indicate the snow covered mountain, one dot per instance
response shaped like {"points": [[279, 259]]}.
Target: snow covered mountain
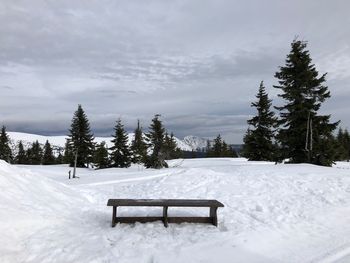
{"points": [[189, 143]]}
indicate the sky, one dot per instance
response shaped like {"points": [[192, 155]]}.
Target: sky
{"points": [[197, 63]]}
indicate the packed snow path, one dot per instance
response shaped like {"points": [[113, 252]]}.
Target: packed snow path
{"points": [[273, 213]]}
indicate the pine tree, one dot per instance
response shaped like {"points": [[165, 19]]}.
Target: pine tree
{"points": [[303, 133], [155, 139], [60, 158], [171, 151], [68, 155], [21, 157], [138, 146], [101, 157], [258, 141], [217, 146], [5, 150], [120, 155], [342, 142], [48, 157], [35, 153], [81, 139], [208, 149]]}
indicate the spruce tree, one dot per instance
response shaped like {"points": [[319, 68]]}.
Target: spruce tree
{"points": [[68, 155], [81, 139], [258, 141], [60, 158], [303, 132], [48, 157], [120, 153], [208, 149], [138, 146], [155, 139], [35, 153], [5, 150], [171, 151], [217, 147], [101, 158], [21, 157], [342, 142]]}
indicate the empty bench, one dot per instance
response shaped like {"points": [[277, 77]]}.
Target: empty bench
{"points": [[213, 205]]}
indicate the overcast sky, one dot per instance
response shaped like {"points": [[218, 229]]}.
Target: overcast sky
{"points": [[198, 63]]}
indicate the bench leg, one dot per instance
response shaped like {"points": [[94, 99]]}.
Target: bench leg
{"points": [[165, 216], [213, 215], [114, 216]]}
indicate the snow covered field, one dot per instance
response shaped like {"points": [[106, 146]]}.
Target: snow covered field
{"points": [[272, 213]]}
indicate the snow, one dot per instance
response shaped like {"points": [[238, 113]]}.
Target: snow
{"points": [[272, 213]]}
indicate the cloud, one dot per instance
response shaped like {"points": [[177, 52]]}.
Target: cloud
{"points": [[198, 63]]}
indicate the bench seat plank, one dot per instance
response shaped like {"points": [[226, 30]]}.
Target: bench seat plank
{"points": [[165, 202]]}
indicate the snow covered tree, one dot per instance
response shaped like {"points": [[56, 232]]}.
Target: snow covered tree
{"points": [[101, 158], [81, 139], [138, 146], [5, 150], [21, 157], [258, 141], [303, 132], [35, 153], [155, 139], [48, 157], [120, 155]]}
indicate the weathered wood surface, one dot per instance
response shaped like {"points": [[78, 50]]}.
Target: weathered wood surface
{"points": [[166, 203]]}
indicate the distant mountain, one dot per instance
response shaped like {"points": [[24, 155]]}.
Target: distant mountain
{"points": [[195, 143], [189, 143]]}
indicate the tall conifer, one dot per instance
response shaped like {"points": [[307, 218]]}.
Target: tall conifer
{"points": [[81, 139], [48, 157], [138, 146], [258, 141], [120, 152], [155, 138], [304, 134], [5, 149]]}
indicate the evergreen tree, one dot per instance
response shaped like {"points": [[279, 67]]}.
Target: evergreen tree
{"points": [[342, 142], [155, 139], [303, 133], [217, 147], [120, 155], [258, 144], [171, 151], [21, 157], [208, 149], [138, 146], [68, 155], [60, 158], [101, 158], [81, 138], [5, 150], [48, 157], [35, 153]]}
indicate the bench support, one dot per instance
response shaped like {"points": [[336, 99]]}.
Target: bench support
{"points": [[114, 216], [213, 215], [165, 216]]}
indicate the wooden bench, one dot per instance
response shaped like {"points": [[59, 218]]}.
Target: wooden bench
{"points": [[166, 203]]}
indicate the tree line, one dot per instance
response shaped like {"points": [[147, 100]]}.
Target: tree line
{"points": [[151, 149], [299, 134]]}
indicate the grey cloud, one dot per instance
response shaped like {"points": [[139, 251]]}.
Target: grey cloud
{"points": [[198, 63]]}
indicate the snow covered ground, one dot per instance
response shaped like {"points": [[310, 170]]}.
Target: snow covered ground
{"points": [[272, 213]]}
